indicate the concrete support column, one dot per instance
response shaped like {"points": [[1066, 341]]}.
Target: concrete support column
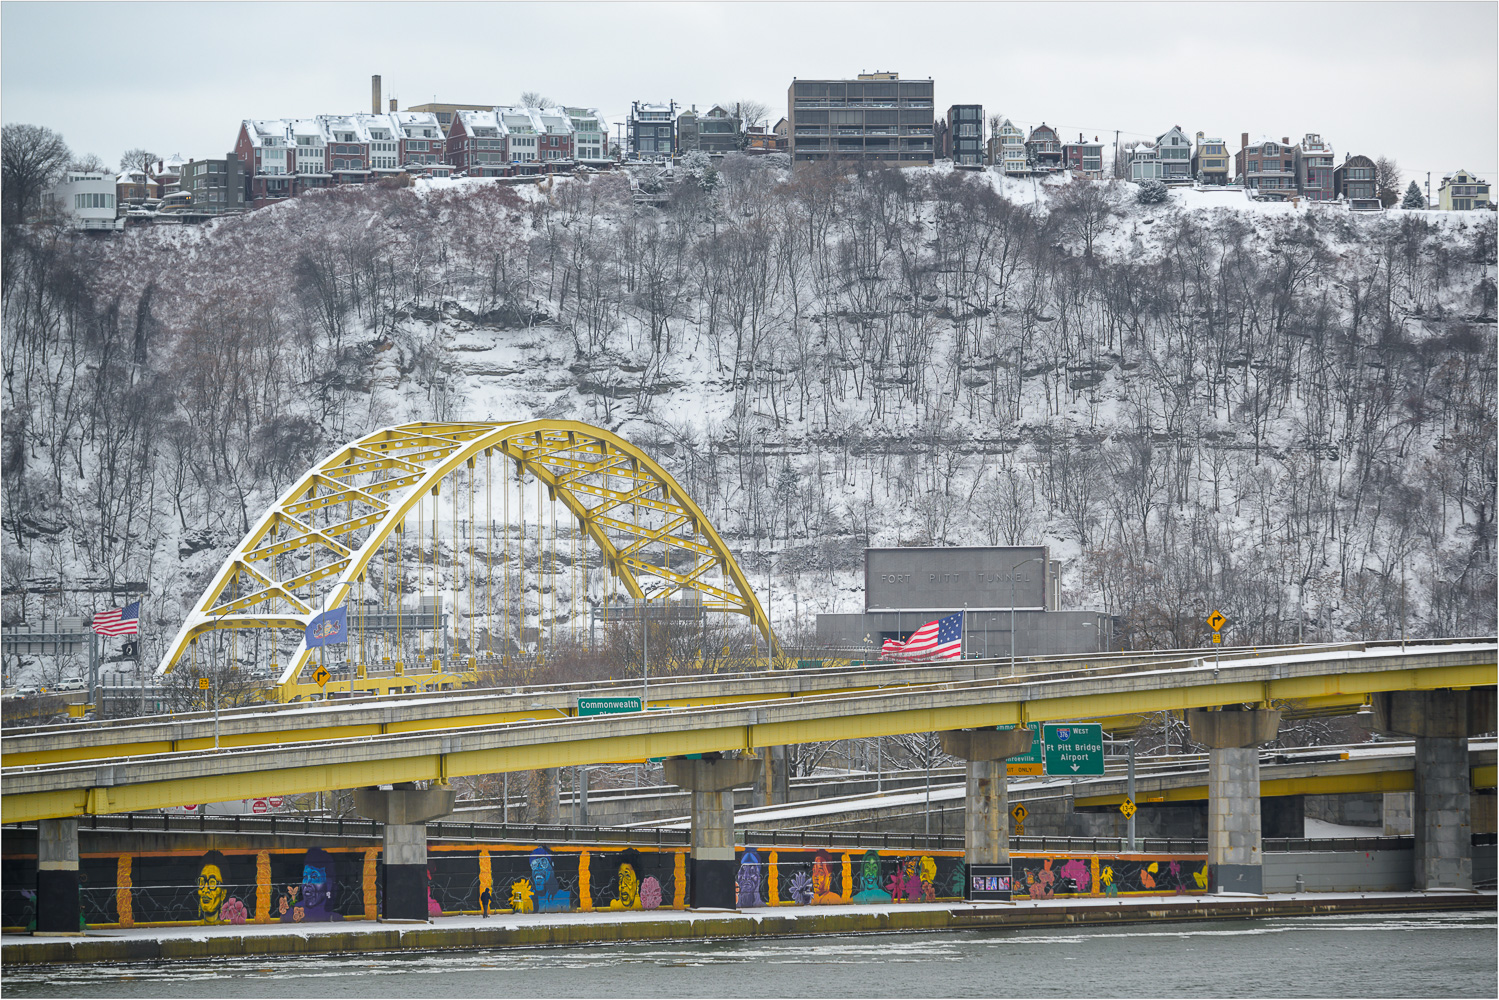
{"points": [[1442, 824], [1235, 852], [986, 823], [1441, 810], [774, 786], [58, 910], [712, 782], [404, 811]]}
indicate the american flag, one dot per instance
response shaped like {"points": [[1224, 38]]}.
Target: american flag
{"points": [[936, 640], [120, 621]]}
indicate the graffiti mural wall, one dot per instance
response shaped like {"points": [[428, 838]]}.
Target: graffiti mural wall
{"points": [[332, 883]]}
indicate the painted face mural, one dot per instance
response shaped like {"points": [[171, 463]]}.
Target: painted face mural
{"points": [[215, 905], [547, 896], [822, 879], [312, 902], [748, 880], [869, 880]]}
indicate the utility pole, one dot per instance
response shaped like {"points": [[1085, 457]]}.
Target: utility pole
{"points": [[1130, 793]]}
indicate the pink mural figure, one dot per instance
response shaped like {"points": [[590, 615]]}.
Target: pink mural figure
{"points": [[434, 908], [822, 879], [1077, 870], [912, 881], [1041, 882]]}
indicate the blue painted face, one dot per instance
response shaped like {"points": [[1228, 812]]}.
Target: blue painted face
{"points": [[541, 875], [314, 885]]}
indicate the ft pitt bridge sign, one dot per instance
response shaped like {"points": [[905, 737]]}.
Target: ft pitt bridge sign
{"points": [[1063, 749]]}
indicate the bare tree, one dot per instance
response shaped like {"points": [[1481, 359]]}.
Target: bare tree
{"points": [[1387, 181], [91, 163], [137, 159], [31, 158], [534, 99]]}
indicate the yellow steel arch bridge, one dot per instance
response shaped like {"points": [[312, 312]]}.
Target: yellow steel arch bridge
{"points": [[331, 538]]}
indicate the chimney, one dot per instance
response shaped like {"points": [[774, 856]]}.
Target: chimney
{"points": [[1244, 141], [392, 104], [375, 94], [1285, 140]]}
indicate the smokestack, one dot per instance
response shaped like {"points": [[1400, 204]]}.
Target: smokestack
{"points": [[392, 104], [375, 94]]}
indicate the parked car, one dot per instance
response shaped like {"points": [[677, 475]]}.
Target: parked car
{"points": [[69, 684]]}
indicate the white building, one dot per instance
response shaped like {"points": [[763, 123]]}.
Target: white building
{"points": [[1007, 149], [524, 130], [1144, 164], [1174, 151], [88, 199]]}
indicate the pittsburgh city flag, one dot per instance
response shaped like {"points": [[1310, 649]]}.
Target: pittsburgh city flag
{"points": [[936, 640], [119, 621], [328, 628]]}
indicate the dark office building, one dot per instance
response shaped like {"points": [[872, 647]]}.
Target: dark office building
{"points": [[877, 117], [217, 186], [965, 129], [651, 130]]}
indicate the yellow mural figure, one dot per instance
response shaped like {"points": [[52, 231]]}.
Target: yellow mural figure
{"points": [[629, 889], [521, 896], [1201, 878], [211, 892], [1106, 876]]}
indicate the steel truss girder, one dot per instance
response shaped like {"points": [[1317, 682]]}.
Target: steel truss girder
{"points": [[423, 454]]}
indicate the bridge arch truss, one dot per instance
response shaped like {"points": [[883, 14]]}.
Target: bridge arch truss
{"points": [[313, 550]]}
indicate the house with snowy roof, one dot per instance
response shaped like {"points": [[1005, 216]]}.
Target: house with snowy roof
{"points": [[1043, 148], [1462, 191], [1143, 162], [1353, 181], [651, 130], [1007, 149], [556, 135], [1210, 160], [1083, 158], [1313, 165], [1267, 167], [590, 135], [1174, 150]]}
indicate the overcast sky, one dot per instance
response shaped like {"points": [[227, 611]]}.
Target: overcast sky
{"points": [[1414, 81]]}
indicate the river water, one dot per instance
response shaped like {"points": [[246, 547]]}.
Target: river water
{"points": [[1397, 955]]}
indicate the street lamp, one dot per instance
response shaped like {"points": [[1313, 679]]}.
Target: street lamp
{"points": [[1012, 606]]}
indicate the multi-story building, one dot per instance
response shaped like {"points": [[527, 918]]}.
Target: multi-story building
{"points": [[1043, 149], [1353, 181], [1267, 167], [1461, 191], [687, 133], [1174, 150], [877, 117], [782, 132], [282, 157], [133, 187], [1210, 160], [87, 198], [1143, 162], [165, 172], [651, 129], [556, 135], [1007, 149], [590, 135], [524, 134], [1084, 158], [1313, 163], [216, 187], [965, 142], [720, 131], [476, 143]]}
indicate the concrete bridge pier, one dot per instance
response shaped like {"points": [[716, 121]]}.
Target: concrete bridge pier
{"points": [[986, 824], [712, 782], [1235, 850], [404, 811], [58, 909], [1440, 722]]}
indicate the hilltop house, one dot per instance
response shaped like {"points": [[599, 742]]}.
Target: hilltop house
{"points": [[1353, 180], [1313, 161], [1461, 191]]}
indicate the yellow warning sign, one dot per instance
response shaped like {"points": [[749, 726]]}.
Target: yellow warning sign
{"points": [[203, 684], [1127, 807], [1216, 621], [1217, 636], [321, 676], [1019, 812]]}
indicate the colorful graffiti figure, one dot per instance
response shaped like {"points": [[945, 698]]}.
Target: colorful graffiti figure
{"points": [[912, 881], [958, 884], [747, 881], [1200, 879], [1041, 883], [800, 889], [869, 880], [434, 908], [548, 897], [1147, 875], [1075, 870], [215, 905], [312, 901], [650, 893], [522, 897], [822, 879], [629, 889], [1106, 876]]}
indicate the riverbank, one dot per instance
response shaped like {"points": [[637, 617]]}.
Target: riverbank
{"points": [[541, 930]]}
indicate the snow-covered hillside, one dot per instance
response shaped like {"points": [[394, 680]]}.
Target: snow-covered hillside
{"points": [[1287, 413]]}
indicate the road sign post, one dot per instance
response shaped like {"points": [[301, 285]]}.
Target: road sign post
{"points": [[1074, 749]]}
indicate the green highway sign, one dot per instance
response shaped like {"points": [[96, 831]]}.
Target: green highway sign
{"points": [[1074, 749], [607, 706], [1026, 763]]}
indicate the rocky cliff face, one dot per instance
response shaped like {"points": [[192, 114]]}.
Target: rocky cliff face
{"points": [[1284, 413]]}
